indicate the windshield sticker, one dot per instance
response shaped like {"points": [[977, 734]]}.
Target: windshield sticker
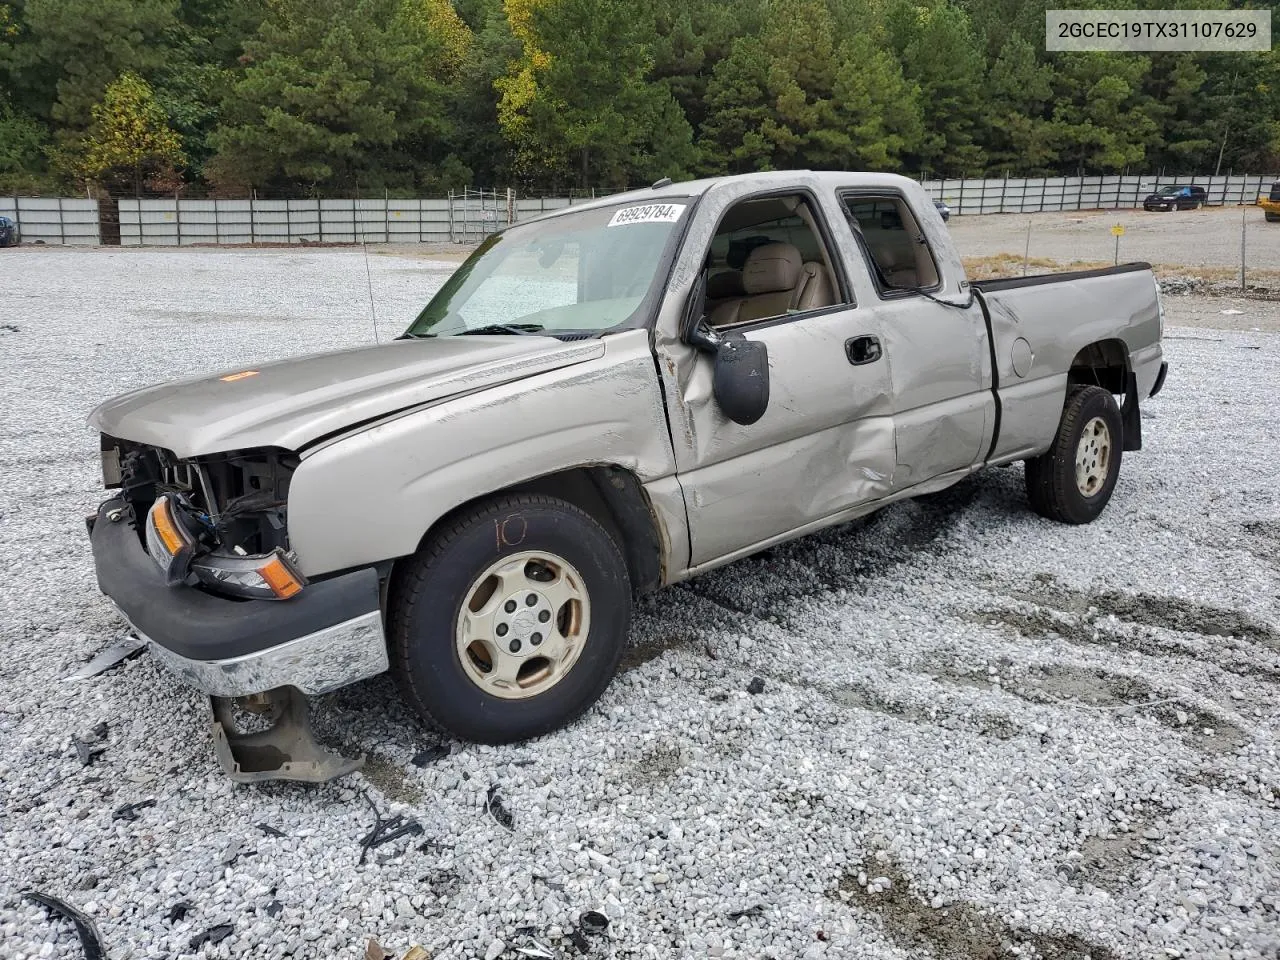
{"points": [[649, 213]]}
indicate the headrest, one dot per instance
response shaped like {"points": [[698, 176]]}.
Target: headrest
{"points": [[725, 284], [771, 268]]}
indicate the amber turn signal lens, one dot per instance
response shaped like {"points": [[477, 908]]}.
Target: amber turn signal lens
{"points": [[172, 539], [277, 576]]}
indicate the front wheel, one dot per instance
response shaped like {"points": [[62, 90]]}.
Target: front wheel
{"points": [[1073, 481], [511, 620]]}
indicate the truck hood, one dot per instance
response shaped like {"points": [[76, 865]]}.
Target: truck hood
{"points": [[291, 403]]}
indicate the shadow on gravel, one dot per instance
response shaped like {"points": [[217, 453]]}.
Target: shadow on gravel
{"points": [[957, 932]]}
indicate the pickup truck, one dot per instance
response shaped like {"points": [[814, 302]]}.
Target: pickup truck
{"points": [[599, 402]]}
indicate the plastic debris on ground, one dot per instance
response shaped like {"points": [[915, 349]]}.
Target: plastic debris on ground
{"points": [[384, 831], [271, 831], [213, 935], [85, 929], [129, 811], [498, 810], [115, 654], [178, 911], [429, 755]]}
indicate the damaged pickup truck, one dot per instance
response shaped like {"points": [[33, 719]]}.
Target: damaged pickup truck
{"points": [[599, 402]]}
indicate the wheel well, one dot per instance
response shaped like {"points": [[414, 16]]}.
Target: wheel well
{"points": [[1103, 364], [614, 498]]}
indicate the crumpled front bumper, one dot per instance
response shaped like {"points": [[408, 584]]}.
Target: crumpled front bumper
{"points": [[328, 636]]}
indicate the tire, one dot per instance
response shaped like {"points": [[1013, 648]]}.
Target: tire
{"points": [[476, 560], [1273, 218], [1063, 489]]}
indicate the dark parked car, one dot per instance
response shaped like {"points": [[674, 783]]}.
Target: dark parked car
{"points": [[943, 209], [8, 233], [1176, 198]]}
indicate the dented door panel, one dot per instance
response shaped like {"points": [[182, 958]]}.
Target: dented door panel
{"points": [[825, 443]]}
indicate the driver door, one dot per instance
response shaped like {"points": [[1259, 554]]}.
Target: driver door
{"points": [[825, 444]]}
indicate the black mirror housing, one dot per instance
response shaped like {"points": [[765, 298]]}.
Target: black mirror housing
{"points": [[740, 380]]}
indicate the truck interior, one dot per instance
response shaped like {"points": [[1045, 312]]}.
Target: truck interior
{"points": [[767, 259], [895, 246]]}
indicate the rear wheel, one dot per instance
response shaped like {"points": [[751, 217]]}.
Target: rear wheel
{"points": [[511, 620], [1073, 481]]}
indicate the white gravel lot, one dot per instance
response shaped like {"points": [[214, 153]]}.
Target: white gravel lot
{"points": [[981, 735]]}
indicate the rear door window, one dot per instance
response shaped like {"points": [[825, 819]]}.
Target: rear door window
{"points": [[893, 243]]}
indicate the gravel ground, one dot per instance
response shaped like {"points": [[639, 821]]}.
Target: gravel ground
{"points": [[980, 734]]}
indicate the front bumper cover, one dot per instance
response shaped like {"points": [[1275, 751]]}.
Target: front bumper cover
{"points": [[325, 638]]}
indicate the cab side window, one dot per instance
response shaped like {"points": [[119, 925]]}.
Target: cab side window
{"points": [[767, 259], [895, 247]]}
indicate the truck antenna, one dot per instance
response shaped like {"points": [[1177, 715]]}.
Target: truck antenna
{"points": [[368, 273]]}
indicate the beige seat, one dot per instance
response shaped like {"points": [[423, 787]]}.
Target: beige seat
{"points": [[724, 286], [776, 280], [897, 265]]}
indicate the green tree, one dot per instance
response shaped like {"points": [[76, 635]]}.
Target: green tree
{"points": [[798, 96], [578, 103], [1102, 121], [130, 136], [67, 51], [1019, 136], [940, 54], [334, 94], [23, 145]]}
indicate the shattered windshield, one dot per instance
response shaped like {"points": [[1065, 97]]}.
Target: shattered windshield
{"points": [[585, 271]]}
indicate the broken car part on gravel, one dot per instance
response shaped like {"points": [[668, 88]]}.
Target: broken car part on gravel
{"points": [[85, 928], [286, 750], [498, 810], [384, 831], [129, 811], [112, 656]]}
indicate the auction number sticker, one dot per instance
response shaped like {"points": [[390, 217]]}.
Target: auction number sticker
{"points": [[649, 213]]}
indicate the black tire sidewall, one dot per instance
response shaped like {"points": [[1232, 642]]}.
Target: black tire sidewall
{"points": [[1090, 403], [425, 620]]}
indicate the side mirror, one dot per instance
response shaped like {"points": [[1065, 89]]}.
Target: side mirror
{"points": [[740, 375], [740, 380]]}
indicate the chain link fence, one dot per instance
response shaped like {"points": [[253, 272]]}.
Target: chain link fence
{"points": [[469, 215]]}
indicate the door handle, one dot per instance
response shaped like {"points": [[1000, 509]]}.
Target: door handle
{"points": [[862, 350]]}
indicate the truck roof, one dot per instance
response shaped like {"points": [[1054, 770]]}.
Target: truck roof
{"points": [[764, 180]]}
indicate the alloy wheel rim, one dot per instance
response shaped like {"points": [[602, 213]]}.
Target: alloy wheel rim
{"points": [[523, 624]]}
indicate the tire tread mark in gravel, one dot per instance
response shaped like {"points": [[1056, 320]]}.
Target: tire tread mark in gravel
{"points": [[1167, 613], [1059, 684], [1041, 623], [960, 931]]}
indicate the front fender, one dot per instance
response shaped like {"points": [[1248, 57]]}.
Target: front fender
{"points": [[370, 496]]}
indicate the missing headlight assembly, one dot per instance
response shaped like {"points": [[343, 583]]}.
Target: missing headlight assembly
{"points": [[218, 522]]}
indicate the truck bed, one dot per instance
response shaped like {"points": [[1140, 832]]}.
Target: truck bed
{"points": [[1039, 279]]}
